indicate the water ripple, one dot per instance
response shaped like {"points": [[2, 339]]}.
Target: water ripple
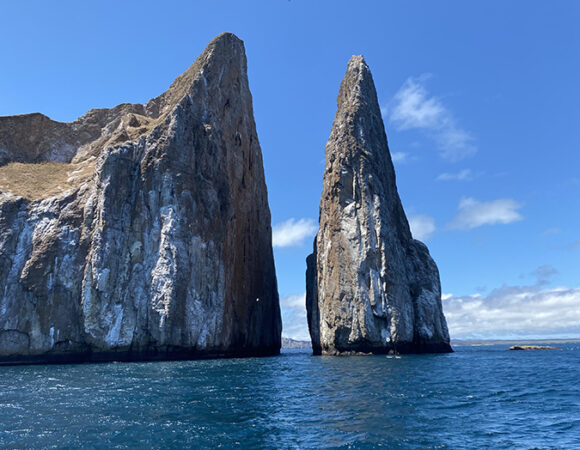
{"points": [[477, 397]]}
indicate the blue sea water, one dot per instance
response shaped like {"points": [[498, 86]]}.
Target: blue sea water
{"points": [[478, 397]]}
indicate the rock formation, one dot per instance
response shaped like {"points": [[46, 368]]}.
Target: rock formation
{"points": [[370, 287], [141, 231], [534, 347]]}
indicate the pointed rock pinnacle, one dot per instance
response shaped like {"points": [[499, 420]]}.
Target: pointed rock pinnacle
{"points": [[370, 286]]}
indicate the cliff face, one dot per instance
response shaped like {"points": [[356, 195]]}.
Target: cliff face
{"points": [[142, 231], [370, 287]]}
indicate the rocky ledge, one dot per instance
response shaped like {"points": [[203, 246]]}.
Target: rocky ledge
{"points": [[370, 287], [141, 231]]}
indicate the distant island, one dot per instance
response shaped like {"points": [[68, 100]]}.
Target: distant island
{"points": [[288, 343]]}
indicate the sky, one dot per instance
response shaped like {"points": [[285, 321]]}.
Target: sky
{"points": [[480, 102]]}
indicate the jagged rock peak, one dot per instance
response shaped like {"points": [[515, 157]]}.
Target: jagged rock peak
{"points": [[357, 88], [225, 50], [370, 286], [36, 138], [140, 231]]}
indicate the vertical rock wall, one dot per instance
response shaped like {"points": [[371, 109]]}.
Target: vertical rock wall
{"points": [[164, 249], [371, 287]]}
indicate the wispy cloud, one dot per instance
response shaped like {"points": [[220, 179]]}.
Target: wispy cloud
{"points": [[512, 312], [553, 230], [413, 107], [400, 157], [462, 175], [292, 232], [456, 144], [544, 274], [294, 321], [294, 301], [473, 213], [422, 227]]}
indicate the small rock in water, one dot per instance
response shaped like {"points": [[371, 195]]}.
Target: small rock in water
{"points": [[534, 347]]}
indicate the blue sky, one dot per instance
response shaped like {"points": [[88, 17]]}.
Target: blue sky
{"points": [[481, 106]]}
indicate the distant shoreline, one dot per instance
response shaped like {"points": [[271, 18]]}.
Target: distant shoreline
{"points": [[288, 343], [483, 342]]}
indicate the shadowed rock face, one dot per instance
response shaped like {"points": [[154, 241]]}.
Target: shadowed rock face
{"points": [[163, 250], [370, 287]]}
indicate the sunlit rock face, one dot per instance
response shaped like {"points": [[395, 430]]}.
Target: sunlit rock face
{"points": [[371, 287], [145, 232]]}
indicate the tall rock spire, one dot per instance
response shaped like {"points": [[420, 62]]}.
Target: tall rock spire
{"points": [[370, 286], [151, 236]]}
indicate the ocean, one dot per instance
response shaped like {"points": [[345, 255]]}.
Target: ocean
{"points": [[477, 397]]}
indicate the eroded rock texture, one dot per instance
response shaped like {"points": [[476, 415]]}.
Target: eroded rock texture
{"points": [[371, 287], [145, 232]]}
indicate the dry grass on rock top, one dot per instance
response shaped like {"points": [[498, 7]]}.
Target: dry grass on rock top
{"points": [[35, 181]]}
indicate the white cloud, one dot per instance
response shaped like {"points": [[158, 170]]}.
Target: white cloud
{"points": [[293, 301], [462, 175], [292, 232], [456, 144], [295, 325], [473, 213], [422, 227], [513, 312], [399, 157], [413, 107], [554, 230]]}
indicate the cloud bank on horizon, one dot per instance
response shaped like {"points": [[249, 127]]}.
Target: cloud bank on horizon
{"points": [[515, 312], [508, 312]]}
